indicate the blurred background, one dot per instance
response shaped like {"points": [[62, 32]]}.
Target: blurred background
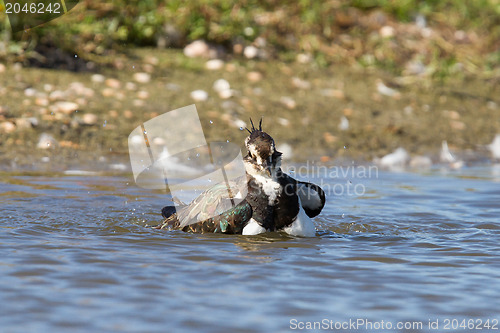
{"points": [[332, 79]]}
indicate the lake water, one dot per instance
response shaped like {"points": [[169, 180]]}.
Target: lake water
{"points": [[77, 256]]}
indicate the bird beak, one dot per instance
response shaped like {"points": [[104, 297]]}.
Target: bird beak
{"points": [[271, 162]]}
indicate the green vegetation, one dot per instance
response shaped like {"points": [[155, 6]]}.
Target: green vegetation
{"points": [[464, 34]]}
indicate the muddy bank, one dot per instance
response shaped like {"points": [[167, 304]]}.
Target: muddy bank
{"points": [[328, 114]]}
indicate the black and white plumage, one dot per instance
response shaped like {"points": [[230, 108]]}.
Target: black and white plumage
{"points": [[274, 201]]}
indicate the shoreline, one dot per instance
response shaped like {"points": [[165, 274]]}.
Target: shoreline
{"points": [[311, 111]]}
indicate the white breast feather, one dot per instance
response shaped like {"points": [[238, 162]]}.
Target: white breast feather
{"points": [[302, 225], [253, 228], [270, 187]]}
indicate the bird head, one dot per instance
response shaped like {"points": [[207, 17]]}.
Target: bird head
{"points": [[262, 153]]}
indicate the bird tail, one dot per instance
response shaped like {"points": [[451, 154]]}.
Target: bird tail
{"points": [[170, 215]]}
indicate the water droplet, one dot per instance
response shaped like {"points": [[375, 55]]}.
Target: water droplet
{"points": [[227, 140], [76, 56], [241, 128], [211, 122], [345, 147], [198, 155], [145, 132]]}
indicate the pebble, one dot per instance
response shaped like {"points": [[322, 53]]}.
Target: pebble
{"points": [[138, 103], [337, 93], [324, 158], [421, 162], [286, 149], [152, 60], [230, 68], [136, 140], [98, 78], [56, 95], [113, 113], [387, 91], [329, 137], [64, 107], [288, 102], [128, 114], [89, 119], [113, 83], [492, 105], [159, 141], [173, 87], [40, 101], [254, 76], [130, 86], [415, 67], [197, 49], [108, 92], [348, 112], [300, 84], [344, 124], [30, 92], [239, 123], [142, 77], [214, 64], [199, 95], [26, 123], [148, 68], [457, 125], [250, 52], [225, 94], [452, 114], [81, 101], [142, 94], [303, 58], [386, 31], [231, 107], [46, 141], [238, 48], [7, 127], [221, 85], [283, 122], [395, 160], [80, 89]]}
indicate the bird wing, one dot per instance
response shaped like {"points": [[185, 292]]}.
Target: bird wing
{"points": [[215, 201], [312, 198]]}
